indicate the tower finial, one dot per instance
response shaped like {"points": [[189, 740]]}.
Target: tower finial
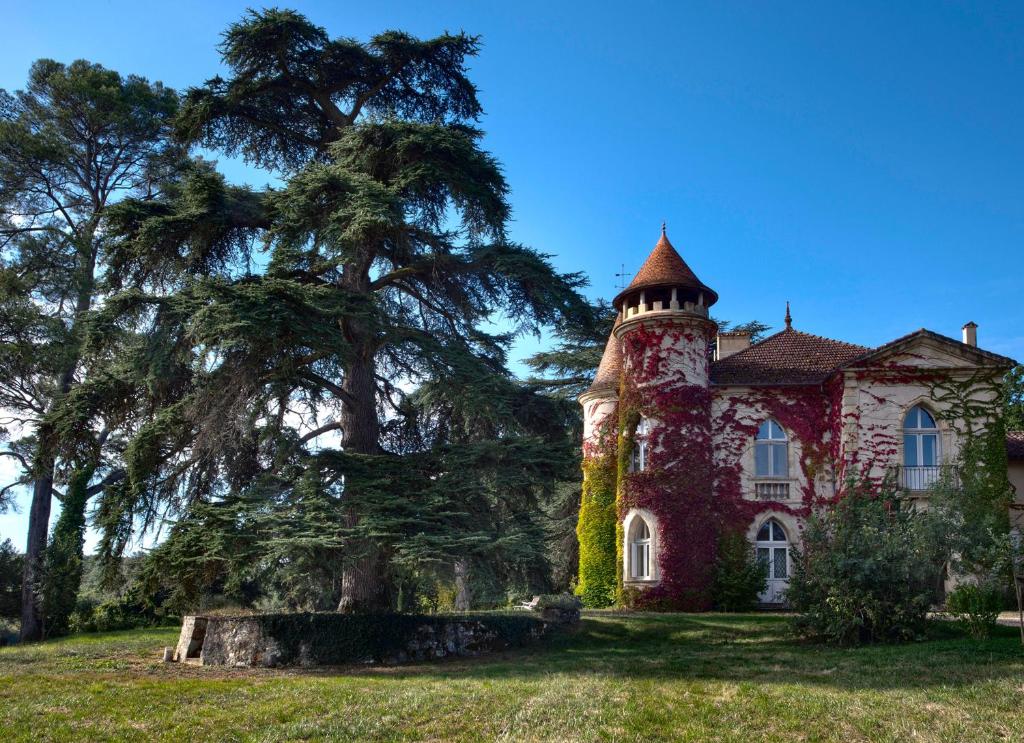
{"points": [[663, 227], [789, 319]]}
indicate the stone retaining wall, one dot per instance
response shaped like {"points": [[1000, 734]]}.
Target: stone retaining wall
{"points": [[330, 639]]}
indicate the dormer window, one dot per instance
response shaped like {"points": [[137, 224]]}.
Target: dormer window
{"points": [[641, 447], [771, 451]]}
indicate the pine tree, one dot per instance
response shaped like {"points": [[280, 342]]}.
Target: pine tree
{"points": [[387, 257], [76, 140]]}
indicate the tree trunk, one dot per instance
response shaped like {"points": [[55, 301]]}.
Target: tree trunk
{"points": [[35, 549], [365, 583], [463, 593], [64, 557], [1018, 585], [42, 492]]}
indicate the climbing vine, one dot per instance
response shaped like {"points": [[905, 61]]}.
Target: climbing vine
{"points": [[596, 528], [698, 438], [679, 462]]}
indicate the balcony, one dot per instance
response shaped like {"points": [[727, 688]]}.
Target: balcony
{"points": [[920, 479], [771, 490]]}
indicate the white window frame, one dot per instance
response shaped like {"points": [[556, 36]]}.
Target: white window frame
{"points": [[640, 551], [770, 443], [634, 550], [921, 476], [771, 545], [919, 433], [638, 457]]}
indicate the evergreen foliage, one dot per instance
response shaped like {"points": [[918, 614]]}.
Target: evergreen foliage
{"points": [[338, 425], [11, 567], [739, 576], [75, 141]]}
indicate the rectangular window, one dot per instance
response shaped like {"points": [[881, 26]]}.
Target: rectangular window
{"points": [[771, 460], [762, 465], [929, 449], [910, 450], [780, 467], [641, 561], [779, 568]]}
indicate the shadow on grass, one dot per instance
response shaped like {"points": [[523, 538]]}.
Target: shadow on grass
{"points": [[738, 648], [734, 648]]}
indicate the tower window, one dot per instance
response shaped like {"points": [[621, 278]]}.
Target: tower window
{"points": [[641, 447], [640, 550], [771, 451]]}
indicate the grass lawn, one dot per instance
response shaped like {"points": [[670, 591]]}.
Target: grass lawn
{"points": [[618, 677]]}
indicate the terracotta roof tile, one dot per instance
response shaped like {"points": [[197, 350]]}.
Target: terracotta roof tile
{"points": [[789, 357], [665, 267], [1015, 445], [608, 371]]}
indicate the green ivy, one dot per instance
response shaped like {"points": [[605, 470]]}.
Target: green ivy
{"points": [[596, 530]]}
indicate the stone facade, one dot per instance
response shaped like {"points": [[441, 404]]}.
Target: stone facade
{"points": [[821, 410]]}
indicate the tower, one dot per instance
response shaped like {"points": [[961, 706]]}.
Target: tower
{"points": [[666, 537]]}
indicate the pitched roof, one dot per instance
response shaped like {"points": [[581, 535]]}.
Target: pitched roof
{"points": [[893, 346], [1015, 445], [789, 357], [607, 376], [665, 267]]}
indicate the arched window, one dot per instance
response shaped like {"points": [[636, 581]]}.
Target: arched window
{"points": [[773, 552], [640, 550], [771, 451], [641, 447], [920, 449]]}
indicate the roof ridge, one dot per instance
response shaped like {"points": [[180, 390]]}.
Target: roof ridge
{"points": [[764, 340], [925, 331], [824, 338]]}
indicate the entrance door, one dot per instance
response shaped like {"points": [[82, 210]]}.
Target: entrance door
{"points": [[773, 551]]}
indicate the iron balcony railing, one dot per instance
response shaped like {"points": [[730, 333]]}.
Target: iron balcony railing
{"points": [[926, 477]]}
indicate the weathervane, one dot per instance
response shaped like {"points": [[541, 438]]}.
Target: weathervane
{"points": [[621, 277]]}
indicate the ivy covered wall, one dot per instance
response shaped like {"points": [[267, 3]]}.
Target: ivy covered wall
{"points": [[596, 528], [699, 479]]}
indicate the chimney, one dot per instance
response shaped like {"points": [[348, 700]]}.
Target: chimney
{"points": [[970, 331], [730, 342]]}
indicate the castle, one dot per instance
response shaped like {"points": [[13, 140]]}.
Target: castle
{"points": [[690, 433]]}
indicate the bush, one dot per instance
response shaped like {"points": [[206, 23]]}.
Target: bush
{"points": [[117, 614], [564, 601], [976, 607], [329, 638], [866, 572], [11, 566], [739, 576]]}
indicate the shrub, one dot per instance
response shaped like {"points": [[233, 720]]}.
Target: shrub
{"points": [[739, 576], [563, 601], [866, 572], [976, 607], [11, 565], [329, 638]]}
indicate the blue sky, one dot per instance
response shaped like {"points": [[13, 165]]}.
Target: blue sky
{"points": [[861, 160]]}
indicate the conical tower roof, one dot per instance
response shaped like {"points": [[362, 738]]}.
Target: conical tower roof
{"points": [[607, 377], [665, 267]]}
